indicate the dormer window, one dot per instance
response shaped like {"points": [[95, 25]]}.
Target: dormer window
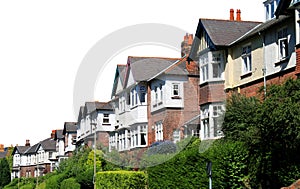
{"points": [[270, 8], [175, 89]]}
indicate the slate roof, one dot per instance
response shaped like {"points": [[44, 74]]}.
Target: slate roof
{"points": [[143, 68], [33, 149], [48, 144], [59, 134], [224, 32], [263, 26], [20, 149], [69, 127]]}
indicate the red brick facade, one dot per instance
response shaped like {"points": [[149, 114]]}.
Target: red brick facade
{"points": [[211, 92], [174, 118]]}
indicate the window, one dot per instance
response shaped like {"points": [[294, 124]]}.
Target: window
{"points": [[159, 131], [217, 110], [203, 60], [105, 118], [138, 136], [246, 59], [216, 64], [176, 135], [282, 43], [206, 128], [217, 120], [161, 92], [175, 89]]}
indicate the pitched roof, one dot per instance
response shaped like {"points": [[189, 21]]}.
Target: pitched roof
{"points": [[33, 149], [143, 68], [48, 144], [20, 149], [69, 127], [262, 27], [59, 134], [224, 32]]}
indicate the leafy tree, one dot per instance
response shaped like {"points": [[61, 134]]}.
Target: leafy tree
{"points": [[4, 172], [270, 129]]}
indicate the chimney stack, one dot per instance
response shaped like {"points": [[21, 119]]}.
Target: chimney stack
{"points": [[231, 18], [27, 143], [1, 148], [53, 134], [186, 44], [238, 15]]}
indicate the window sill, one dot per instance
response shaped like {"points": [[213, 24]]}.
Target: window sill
{"points": [[175, 97], [282, 60], [248, 74]]}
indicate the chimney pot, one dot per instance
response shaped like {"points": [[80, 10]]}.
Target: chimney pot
{"points": [[238, 15], [1, 148], [53, 134], [231, 15], [27, 143]]}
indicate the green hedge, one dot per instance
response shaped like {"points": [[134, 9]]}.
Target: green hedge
{"points": [[121, 179], [70, 183]]}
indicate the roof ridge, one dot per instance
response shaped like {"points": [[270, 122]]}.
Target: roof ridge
{"points": [[219, 19]]}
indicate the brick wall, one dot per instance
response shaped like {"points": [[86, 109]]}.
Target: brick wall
{"points": [[252, 88], [211, 92], [297, 59], [174, 118]]}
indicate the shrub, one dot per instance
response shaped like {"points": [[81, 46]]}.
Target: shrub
{"points": [[121, 179], [70, 183], [164, 147], [54, 181]]}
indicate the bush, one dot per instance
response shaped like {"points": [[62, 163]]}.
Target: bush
{"points": [[121, 179], [70, 183], [164, 147], [54, 181]]}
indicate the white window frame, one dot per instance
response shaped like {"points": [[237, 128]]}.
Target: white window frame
{"points": [[246, 59], [159, 134], [217, 59], [175, 89], [105, 117], [176, 135], [204, 69], [283, 46]]}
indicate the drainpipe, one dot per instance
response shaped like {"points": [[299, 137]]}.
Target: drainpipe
{"points": [[264, 62]]}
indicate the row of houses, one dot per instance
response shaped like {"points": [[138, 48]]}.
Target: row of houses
{"points": [[44, 156], [156, 99]]}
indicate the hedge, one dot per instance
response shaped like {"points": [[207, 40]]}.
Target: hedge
{"points": [[121, 180], [70, 183]]}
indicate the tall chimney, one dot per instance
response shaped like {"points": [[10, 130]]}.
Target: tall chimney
{"points": [[231, 18], [238, 15], [1, 148], [27, 143], [53, 134], [186, 44]]}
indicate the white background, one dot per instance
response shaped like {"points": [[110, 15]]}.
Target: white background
{"points": [[42, 44]]}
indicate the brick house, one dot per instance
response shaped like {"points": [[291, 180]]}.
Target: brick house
{"points": [[70, 134], [153, 97], [210, 51], [36, 160], [95, 117]]}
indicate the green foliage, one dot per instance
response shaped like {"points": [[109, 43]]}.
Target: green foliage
{"points": [[270, 130], [28, 186], [121, 179], [182, 171], [70, 183], [4, 172], [55, 181], [164, 147]]}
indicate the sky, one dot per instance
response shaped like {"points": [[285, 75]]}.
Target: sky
{"points": [[43, 44]]}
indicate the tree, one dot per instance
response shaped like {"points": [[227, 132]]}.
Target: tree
{"points": [[270, 129], [4, 172]]}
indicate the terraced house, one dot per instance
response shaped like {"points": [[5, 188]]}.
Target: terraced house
{"points": [[236, 56], [153, 98]]}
